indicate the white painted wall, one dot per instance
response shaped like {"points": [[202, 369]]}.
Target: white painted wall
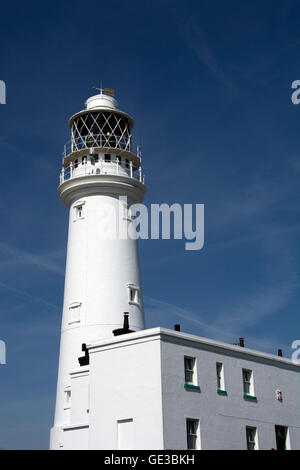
{"points": [[80, 398], [125, 384], [97, 274], [137, 399], [74, 438], [223, 418]]}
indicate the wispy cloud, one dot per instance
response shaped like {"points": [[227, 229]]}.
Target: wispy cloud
{"points": [[16, 255], [195, 38], [259, 70], [12, 256], [22, 293], [249, 203], [159, 309], [268, 233], [253, 214]]}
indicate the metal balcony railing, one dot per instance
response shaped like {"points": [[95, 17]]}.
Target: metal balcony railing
{"points": [[110, 142], [100, 168]]}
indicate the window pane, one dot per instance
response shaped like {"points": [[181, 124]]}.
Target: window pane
{"points": [[247, 379], [188, 376], [189, 364], [281, 434], [192, 433], [192, 442], [219, 375], [251, 438]]}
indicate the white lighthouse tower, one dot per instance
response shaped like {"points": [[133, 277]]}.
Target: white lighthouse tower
{"points": [[101, 177], [124, 387]]}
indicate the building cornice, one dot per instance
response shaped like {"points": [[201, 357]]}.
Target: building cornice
{"points": [[165, 334], [82, 186]]}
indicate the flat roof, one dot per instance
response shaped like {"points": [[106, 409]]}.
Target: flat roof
{"points": [[160, 332]]}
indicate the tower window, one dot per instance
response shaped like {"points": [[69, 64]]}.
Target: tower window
{"points": [[220, 376], [74, 312], [67, 398], [251, 435], [134, 295], [79, 210], [76, 163], [127, 163], [96, 158], [107, 157], [248, 382], [189, 370], [192, 432]]}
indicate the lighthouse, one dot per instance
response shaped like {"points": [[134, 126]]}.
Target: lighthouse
{"points": [[121, 386], [100, 178]]}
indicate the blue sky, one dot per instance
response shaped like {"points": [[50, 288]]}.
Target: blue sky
{"points": [[209, 86]]}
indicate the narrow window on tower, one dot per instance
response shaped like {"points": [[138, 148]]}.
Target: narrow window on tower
{"points": [[76, 163], [107, 157], [133, 295], [189, 370], [74, 313], [248, 382], [251, 435], [127, 163], [192, 432], [78, 210], [67, 398]]}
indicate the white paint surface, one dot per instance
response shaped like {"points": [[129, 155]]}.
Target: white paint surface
{"points": [[140, 376], [99, 267]]}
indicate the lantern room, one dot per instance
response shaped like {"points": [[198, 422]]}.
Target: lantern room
{"points": [[101, 140], [101, 125]]}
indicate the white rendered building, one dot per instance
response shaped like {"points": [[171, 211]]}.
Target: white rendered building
{"points": [[155, 388]]}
